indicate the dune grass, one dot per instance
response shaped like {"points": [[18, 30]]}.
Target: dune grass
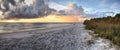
{"points": [[106, 27]]}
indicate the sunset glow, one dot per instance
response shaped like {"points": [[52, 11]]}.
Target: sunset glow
{"points": [[50, 18]]}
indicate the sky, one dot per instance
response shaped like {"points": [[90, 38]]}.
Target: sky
{"points": [[94, 5], [89, 6]]}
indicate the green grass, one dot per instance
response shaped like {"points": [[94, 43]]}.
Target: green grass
{"points": [[107, 27]]}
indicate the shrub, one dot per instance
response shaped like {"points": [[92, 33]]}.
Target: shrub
{"points": [[107, 27]]}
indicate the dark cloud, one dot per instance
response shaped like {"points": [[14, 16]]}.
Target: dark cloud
{"points": [[5, 4], [7, 7], [22, 10]]}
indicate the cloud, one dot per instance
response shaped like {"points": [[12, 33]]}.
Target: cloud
{"points": [[100, 14], [75, 8], [72, 9], [22, 10], [57, 6], [106, 5], [89, 10], [29, 2]]}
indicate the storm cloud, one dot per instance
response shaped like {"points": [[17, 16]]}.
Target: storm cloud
{"points": [[20, 9]]}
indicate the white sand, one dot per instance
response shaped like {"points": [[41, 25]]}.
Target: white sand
{"points": [[65, 37]]}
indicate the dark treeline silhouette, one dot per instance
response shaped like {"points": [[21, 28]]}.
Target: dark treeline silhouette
{"points": [[106, 27]]}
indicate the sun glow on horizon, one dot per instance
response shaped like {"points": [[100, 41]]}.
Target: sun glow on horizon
{"points": [[49, 18]]}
